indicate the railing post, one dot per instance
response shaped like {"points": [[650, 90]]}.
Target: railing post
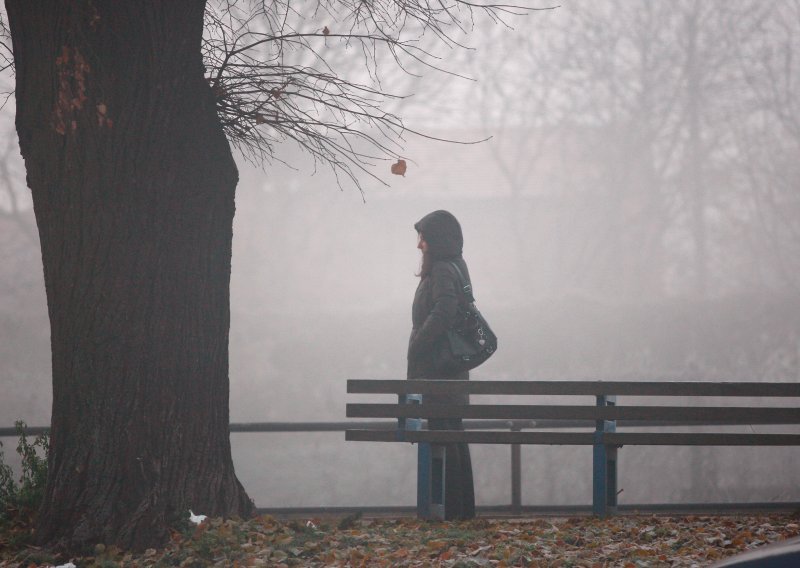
{"points": [[604, 467], [516, 474]]}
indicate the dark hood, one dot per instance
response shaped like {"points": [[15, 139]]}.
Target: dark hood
{"points": [[442, 232]]}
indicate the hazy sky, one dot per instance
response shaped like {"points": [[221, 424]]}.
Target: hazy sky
{"points": [[633, 215]]}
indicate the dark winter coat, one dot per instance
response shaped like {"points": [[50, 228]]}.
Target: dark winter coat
{"points": [[432, 314], [437, 297]]}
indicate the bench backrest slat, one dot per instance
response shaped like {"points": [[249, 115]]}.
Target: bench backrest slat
{"points": [[473, 437], [593, 388], [576, 438], [704, 414]]}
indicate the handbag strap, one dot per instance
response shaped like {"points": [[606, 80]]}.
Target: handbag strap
{"points": [[466, 286]]}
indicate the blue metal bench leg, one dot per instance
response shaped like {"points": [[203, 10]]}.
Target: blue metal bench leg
{"points": [[604, 467], [431, 460], [604, 486]]}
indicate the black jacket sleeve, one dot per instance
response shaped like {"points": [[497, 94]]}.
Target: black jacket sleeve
{"points": [[444, 291]]}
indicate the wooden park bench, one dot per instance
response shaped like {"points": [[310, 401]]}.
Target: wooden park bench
{"points": [[599, 413]]}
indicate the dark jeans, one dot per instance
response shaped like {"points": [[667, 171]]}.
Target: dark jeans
{"points": [[459, 493]]}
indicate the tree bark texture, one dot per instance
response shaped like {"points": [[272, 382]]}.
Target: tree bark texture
{"points": [[133, 186]]}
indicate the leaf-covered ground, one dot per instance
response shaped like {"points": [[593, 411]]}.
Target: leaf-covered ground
{"points": [[625, 541]]}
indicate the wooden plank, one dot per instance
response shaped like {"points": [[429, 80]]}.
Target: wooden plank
{"points": [[575, 438], [700, 439], [473, 437], [705, 414], [589, 388]]}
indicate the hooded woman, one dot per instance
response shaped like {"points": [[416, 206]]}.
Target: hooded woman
{"points": [[432, 314]]}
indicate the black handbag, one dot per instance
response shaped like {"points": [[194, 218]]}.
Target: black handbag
{"points": [[470, 341]]}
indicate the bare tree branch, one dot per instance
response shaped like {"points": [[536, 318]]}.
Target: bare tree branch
{"points": [[316, 79]]}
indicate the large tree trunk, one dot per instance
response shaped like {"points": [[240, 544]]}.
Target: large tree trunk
{"points": [[133, 187]]}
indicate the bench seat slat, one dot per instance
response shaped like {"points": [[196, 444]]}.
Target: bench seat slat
{"points": [[736, 415], [590, 388], [574, 438]]}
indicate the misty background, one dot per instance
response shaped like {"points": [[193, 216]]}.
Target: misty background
{"points": [[633, 212]]}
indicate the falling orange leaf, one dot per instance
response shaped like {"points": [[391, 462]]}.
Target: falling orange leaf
{"points": [[399, 168]]}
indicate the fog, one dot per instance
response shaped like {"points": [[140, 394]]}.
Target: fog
{"points": [[632, 213]]}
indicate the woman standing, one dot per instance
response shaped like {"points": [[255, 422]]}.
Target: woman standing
{"points": [[432, 314]]}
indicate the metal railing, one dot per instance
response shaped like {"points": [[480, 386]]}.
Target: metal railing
{"points": [[515, 506], [286, 427]]}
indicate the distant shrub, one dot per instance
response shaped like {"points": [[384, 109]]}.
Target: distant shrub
{"points": [[19, 500]]}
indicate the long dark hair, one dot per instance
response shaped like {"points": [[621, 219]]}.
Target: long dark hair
{"points": [[425, 265]]}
